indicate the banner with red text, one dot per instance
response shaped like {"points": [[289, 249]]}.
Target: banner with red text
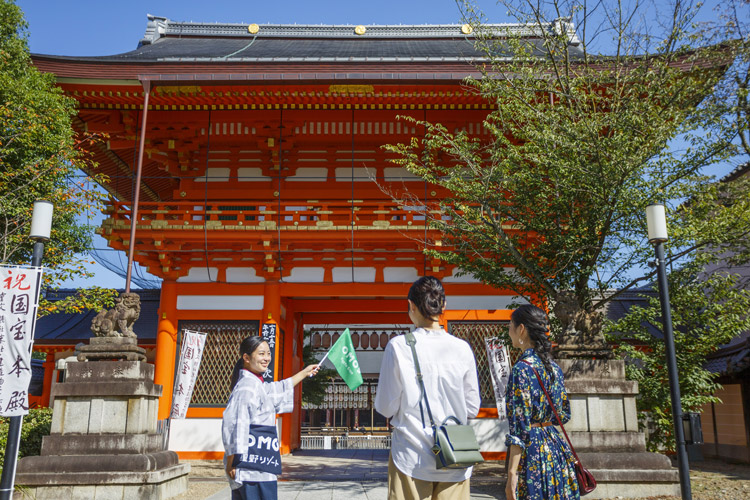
{"points": [[19, 299], [187, 371], [497, 354]]}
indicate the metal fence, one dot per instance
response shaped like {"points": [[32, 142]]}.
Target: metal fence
{"points": [[219, 356], [475, 333], [346, 442], [162, 429]]}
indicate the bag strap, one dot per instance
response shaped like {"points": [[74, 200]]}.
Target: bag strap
{"points": [[559, 420], [412, 341]]}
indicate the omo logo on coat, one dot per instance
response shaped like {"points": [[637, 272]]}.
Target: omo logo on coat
{"points": [[263, 442], [262, 450]]}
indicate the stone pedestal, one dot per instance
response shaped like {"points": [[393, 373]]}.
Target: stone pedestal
{"points": [[103, 443], [112, 349], [604, 431]]}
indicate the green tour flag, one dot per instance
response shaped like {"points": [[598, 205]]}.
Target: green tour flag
{"points": [[344, 359]]}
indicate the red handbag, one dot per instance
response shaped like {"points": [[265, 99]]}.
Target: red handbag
{"points": [[586, 480]]}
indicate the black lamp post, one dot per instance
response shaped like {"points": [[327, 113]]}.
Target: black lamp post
{"points": [[41, 225], [657, 235]]}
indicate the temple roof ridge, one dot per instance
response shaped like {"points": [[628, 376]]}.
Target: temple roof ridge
{"points": [[159, 27]]}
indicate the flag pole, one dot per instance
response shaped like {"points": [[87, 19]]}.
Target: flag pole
{"points": [[324, 357], [320, 363]]}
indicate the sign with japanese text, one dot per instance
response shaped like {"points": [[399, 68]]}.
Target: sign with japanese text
{"points": [[19, 299], [262, 450], [268, 332], [187, 371], [497, 354]]}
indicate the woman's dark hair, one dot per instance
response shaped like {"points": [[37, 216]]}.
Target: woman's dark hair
{"points": [[537, 325], [428, 296], [247, 346]]}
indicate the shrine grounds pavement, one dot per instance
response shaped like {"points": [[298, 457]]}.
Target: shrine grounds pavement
{"points": [[362, 475], [330, 475]]}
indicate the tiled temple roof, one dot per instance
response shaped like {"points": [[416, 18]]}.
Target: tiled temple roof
{"points": [[170, 41], [72, 328]]}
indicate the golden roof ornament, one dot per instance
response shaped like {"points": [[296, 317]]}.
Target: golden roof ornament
{"points": [[360, 30], [466, 29], [253, 29]]}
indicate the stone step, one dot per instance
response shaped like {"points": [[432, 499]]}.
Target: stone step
{"points": [[626, 461], [91, 444], [99, 463], [634, 442]]}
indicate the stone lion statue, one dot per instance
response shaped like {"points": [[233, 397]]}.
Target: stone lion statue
{"points": [[118, 322]]}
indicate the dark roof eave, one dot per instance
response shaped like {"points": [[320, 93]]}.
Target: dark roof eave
{"points": [[296, 60]]}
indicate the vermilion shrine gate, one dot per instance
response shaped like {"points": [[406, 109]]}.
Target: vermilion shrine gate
{"points": [[262, 190]]}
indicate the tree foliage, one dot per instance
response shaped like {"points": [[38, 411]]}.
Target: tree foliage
{"points": [[707, 311], [552, 206], [35, 426], [40, 158], [314, 389]]}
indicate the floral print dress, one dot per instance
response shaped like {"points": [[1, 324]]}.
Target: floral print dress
{"points": [[546, 469]]}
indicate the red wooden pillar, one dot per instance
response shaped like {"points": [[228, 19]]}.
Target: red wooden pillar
{"points": [[166, 346], [49, 368]]}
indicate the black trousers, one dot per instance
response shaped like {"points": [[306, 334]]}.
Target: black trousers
{"points": [[258, 490]]}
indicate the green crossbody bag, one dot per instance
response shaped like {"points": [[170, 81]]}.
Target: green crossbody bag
{"points": [[456, 445]]}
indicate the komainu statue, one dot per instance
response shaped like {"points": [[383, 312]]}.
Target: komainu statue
{"points": [[118, 322]]}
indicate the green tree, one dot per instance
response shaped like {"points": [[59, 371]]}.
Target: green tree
{"points": [[314, 389], [552, 206], [707, 311], [36, 425], [40, 158]]}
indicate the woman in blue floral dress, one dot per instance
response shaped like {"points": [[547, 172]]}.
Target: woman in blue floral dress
{"points": [[540, 464]]}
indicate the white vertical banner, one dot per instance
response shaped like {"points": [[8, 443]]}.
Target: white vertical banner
{"points": [[187, 371], [497, 354], [19, 299]]}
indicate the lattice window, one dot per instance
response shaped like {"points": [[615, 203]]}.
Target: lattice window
{"points": [[219, 356], [474, 332]]}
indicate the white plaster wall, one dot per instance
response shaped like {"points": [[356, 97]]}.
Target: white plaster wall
{"points": [[347, 174], [195, 434], [399, 174], [490, 433], [481, 302], [251, 174], [243, 275], [215, 174], [220, 302], [361, 274], [399, 275], [199, 275], [306, 275], [305, 174], [204, 434], [469, 278]]}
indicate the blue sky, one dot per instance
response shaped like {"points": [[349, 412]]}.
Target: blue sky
{"points": [[102, 27]]}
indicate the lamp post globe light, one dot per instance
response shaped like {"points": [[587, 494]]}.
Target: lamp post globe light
{"points": [[41, 226], [657, 235]]}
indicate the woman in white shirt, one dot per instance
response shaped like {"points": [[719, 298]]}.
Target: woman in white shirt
{"points": [[255, 403], [450, 379]]}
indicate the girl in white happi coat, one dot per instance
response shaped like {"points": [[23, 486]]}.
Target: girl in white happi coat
{"points": [[254, 402]]}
